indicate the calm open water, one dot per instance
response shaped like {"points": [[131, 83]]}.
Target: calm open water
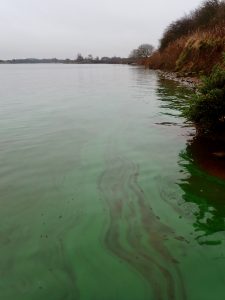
{"points": [[101, 197]]}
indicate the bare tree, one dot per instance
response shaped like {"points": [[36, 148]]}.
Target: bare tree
{"points": [[145, 51]]}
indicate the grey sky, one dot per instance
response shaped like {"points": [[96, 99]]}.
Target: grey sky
{"points": [[62, 28]]}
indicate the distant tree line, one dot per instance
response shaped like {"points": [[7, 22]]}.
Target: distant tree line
{"points": [[210, 13], [79, 60], [103, 60], [33, 61], [144, 51]]}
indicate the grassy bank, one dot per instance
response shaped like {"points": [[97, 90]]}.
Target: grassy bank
{"points": [[194, 44], [194, 54]]}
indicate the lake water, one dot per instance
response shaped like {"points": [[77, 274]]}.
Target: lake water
{"points": [[101, 197]]}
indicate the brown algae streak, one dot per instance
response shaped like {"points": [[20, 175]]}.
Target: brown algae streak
{"points": [[133, 218]]}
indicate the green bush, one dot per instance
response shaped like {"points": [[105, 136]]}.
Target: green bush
{"points": [[207, 106]]}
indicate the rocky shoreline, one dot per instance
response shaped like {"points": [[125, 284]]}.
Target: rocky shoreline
{"points": [[184, 79]]}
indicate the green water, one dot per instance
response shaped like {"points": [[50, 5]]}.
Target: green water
{"points": [[101, 197]]}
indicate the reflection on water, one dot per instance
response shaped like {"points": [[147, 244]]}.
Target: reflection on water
{"points": [[173, 96], [205, 191], [202, 164], [208, 154]]}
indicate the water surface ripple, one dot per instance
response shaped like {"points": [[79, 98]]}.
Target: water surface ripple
{"points": [[103, 190]]}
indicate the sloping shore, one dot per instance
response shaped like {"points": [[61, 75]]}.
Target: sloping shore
{"points": [[190, 82]]}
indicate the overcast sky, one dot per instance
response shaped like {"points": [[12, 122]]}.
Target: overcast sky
{"points": [[62, 28]]}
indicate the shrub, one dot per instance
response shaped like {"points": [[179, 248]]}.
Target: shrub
{"points": [[207, 107]]}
